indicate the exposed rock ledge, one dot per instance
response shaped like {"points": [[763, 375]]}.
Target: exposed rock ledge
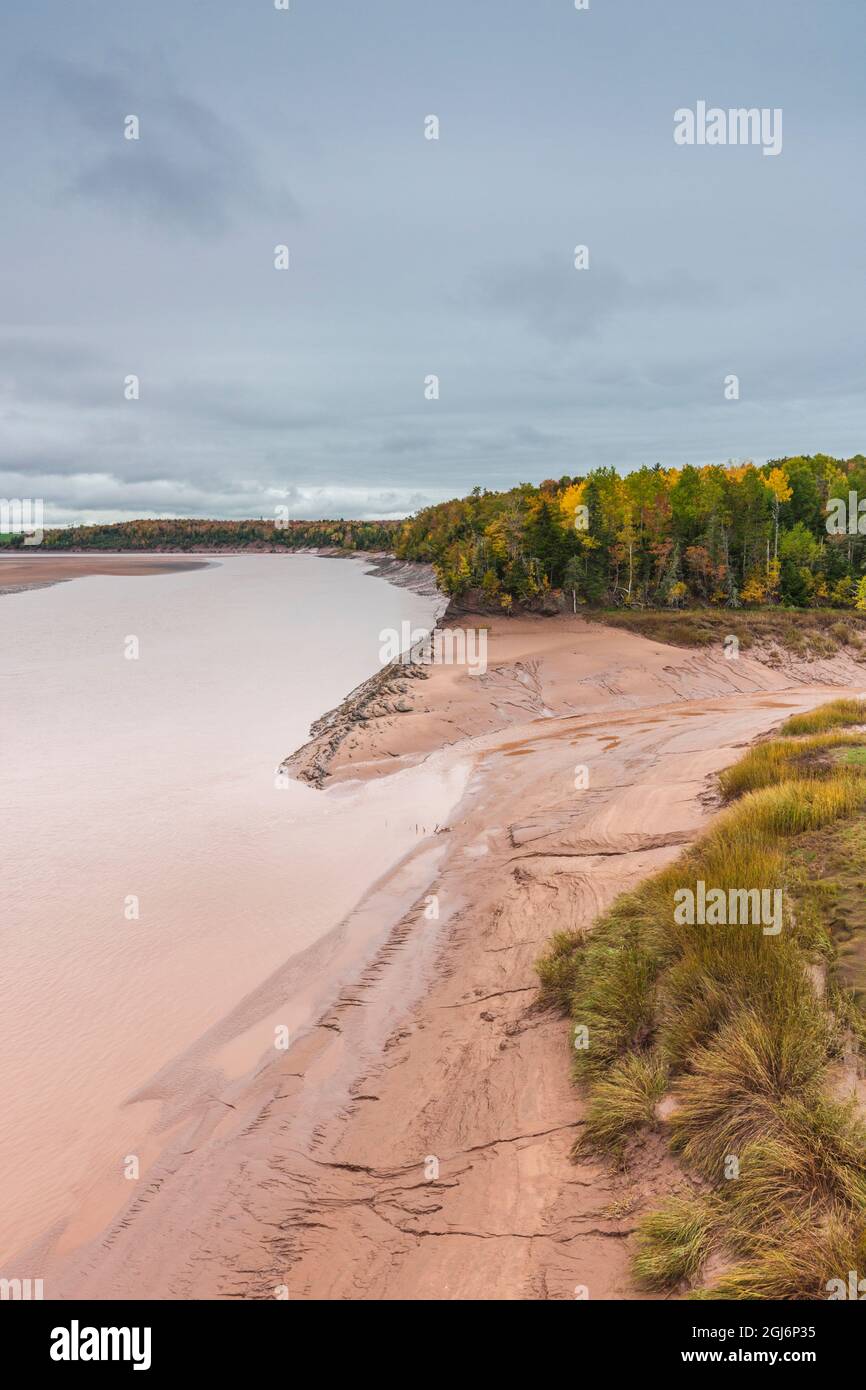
{"points": [[381, 695]]}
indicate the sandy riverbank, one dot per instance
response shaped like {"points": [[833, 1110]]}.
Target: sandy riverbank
{"points": [[415, 1143], [36, 571]]}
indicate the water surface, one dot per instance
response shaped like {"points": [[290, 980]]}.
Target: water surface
{"points": [[147, 787]]}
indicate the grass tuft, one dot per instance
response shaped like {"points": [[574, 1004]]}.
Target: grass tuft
{"points": [[621, 1102], [673, 1241], [558, 970], [805, 634], [795, 1261]]}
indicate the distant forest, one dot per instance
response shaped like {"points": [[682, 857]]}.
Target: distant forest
{"points": [[788, 532], [192, 534]]}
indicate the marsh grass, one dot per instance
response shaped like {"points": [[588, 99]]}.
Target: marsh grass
{"points": [[837, 714], [728, 1022], [558, 968], [776, 761], [622, 1101], [673, 1241], [794, 1260], [802, 633]]}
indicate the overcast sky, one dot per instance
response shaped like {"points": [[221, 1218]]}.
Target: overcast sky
{"points": [[411, 257]]}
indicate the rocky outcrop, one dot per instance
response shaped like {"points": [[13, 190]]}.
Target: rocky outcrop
{"points": [[382, 695]]}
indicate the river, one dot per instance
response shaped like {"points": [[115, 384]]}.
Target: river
{"points": [[155, 871]]}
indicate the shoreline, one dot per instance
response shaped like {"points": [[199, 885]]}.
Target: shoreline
{"points": [[316, 1174], [16, 567], [404, 574]]}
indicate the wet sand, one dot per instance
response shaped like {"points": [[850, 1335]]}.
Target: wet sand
{"points": [[414, 1143], [35, 571]]}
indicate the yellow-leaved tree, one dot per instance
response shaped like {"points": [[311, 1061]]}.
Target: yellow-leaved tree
{"points": [[572, 506], [780, 491]]}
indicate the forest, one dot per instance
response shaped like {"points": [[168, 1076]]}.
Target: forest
{"points": [[789, 532], [193, 534]]}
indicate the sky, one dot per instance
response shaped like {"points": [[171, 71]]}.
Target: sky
{"points": [[411, 258]]}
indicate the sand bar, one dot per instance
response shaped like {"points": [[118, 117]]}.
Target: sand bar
{"points": [[21, 571]]}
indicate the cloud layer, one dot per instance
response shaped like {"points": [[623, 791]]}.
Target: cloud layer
{"points": [[258, 128]]}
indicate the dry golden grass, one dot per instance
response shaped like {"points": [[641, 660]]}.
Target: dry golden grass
{"points": [[673, 1241], [621, 1101], [806, 634], [776, 761], [837, 714]]}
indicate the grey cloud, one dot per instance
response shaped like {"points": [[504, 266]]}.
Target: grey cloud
{"points": [[552, 298], [405, 444], [257, 409], [560, 303], [189, 168], [43, 353], [90, 495], [532, 436]]}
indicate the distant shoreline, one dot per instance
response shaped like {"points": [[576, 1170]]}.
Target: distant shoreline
{"points": [[16, 566], [16, 571]]}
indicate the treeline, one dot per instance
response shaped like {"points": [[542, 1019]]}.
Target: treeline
{"points": [[789, 532], [206, 535], [782, 533]]}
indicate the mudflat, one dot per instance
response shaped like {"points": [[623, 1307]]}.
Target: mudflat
{"points": [[22, 571]]}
